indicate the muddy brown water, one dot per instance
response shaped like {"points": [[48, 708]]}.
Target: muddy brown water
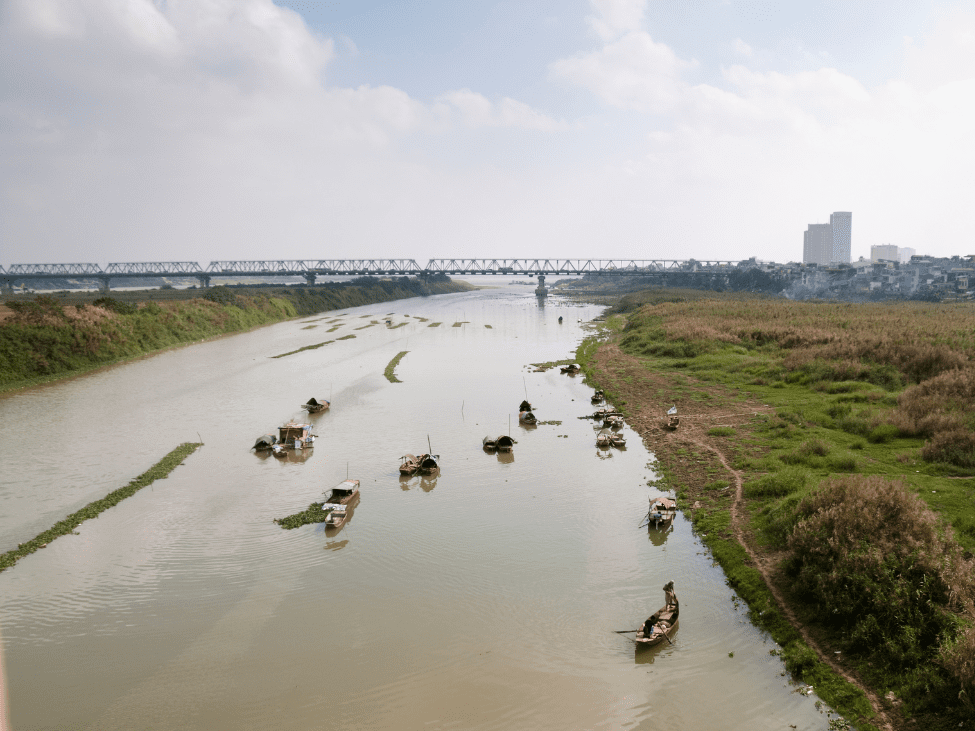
{"points": [[482, 598]]}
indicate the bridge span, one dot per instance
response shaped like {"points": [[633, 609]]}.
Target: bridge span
{"points": [[310, 269]]}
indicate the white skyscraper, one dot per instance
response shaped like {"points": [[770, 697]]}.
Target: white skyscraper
{"points": [[817, 244], [842, 224]]}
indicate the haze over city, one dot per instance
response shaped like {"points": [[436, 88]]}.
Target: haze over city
{"points": [[245, 129]]}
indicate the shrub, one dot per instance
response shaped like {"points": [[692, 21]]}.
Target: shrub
{"points": [[110, 303], [869, 555], [954, 447], [883, 434], [778, 484]]}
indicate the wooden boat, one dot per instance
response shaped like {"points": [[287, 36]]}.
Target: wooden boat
{"points": [[266, 441], [604, 440], [604, 412], [504, 443], [313, 406], [490, 443], [571, 369], [617, 440], [425, 464], [662, 512], [613, 422], [662, 624], [597, 397], [409, 464], [341, 500], [296, 436], [429, 464], [527, 417]]}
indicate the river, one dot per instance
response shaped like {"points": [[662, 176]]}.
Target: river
{"points": [[484, 598]]}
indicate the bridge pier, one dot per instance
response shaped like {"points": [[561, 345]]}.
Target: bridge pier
{"points": [[105, 284], [540, 290], [204, 280], [310, 277], [6, 286]]}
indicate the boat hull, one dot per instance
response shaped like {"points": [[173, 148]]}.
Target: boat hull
{"points": [[657, 638]]}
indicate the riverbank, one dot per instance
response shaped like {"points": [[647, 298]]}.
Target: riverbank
{"points": [[45, 339], [775, 398]]}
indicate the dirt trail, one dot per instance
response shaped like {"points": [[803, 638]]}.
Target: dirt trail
{"points": [[647, 396]]}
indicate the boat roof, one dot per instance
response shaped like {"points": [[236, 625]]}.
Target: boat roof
{"points": [[295, 425]]}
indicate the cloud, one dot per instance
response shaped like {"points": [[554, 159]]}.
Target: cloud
{"points": [[614, 18]]}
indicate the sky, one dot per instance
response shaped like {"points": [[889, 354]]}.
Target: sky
{"points": [[202, 130]]}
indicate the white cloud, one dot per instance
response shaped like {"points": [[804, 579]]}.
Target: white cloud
{"points": [[614, 18], [632, 72]]}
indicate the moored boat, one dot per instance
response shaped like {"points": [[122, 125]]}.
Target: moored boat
{"points": [[504, 443], [429, 464], [662, 512], [490, 443], [597, 397], [662, 624], [614, 421], [604, 439], [618, 440], [296, 436], [313, 406], [341, 501], [265, 441], [571, 369], [527, 417], [409, 464]]}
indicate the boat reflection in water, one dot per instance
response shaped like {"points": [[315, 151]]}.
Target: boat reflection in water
{"points": [[506, 457], [292, 456], [658, 537], [424, 482], [336, 545], [645, 655]]}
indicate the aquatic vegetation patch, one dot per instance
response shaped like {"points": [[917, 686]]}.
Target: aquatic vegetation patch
{"points": [[308, 347], [401, 324], [435, 324], [554, 423], [365, 326], [334, 328], [390, 371], [314, 514], [347, 337], [488, 327], [421, 319], [459, 323], [158, 471], [309, 327]]}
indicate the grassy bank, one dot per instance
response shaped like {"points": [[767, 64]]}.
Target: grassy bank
{"points": [[44, 340], [92, 510], [850, 428]]}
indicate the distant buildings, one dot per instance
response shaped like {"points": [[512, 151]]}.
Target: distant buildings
{"points": [[829, 243], [889, 252]]}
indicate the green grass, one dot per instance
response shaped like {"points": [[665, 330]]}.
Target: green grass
{"points": [[346, 337], [158, 471], [390, 371]]}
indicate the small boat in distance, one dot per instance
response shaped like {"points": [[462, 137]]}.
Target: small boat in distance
{"points": [[597, 397], [662, 624], [613, 421], [571, 369], [527, 417], [490, 443], [425, 464], [313, 406], [618, 440], [266, 441], [604, 439], [504, 443]]}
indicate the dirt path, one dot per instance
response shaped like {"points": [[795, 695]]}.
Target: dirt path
{"points": [[647, 396]]}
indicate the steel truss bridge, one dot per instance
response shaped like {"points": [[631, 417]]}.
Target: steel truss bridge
{"points": [[310, 270]]}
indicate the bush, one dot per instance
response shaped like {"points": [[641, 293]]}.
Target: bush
{"points": [[883, 434], [955, 447], [721, 431], [110, 303], [869, 555], [778, 484]]}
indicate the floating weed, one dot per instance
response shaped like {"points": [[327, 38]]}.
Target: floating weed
{"points": [[309, 327], [334, 328], [421, 319], [314, 514], [347, 337], [390, 371], [365, 326], [459, 323], [435, 324], [393, 327], [158, 471], [488, 327], [310, 347]]}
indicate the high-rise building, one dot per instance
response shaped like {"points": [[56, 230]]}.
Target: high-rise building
{"points": [[817, 244], [842, 224], [885, 252]]}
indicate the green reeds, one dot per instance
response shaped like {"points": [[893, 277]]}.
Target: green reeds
{"points": [[157, 472], [314, 514], [390, 371], [307, 347]]}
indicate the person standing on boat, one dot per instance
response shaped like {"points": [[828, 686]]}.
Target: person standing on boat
{"points": [[670, 605]]}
